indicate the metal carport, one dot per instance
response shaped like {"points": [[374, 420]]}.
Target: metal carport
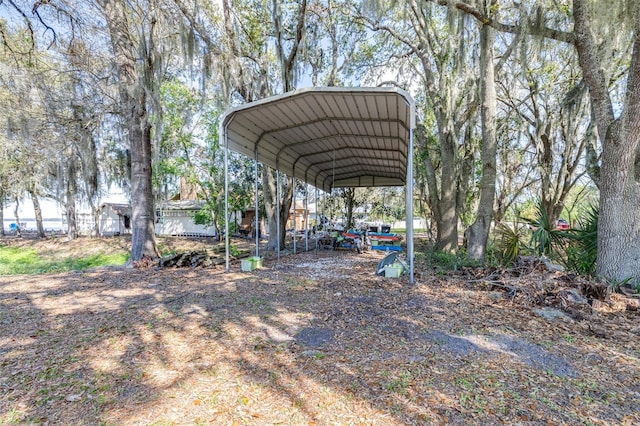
{"points": [[329, 137]]}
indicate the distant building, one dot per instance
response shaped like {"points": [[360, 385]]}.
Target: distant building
{"points": [[115, 219], [301, 217], [176, 218]]}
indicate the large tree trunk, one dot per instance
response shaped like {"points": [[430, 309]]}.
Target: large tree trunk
{"points": [[72, 223], [349, 196], [95, 213], [38, 212], [70, 204], [443, 200], [287, 62], [134, 101], [269, 183], [446, 216], [143, 242], [619, 224], [16, 214], [479, 230]]}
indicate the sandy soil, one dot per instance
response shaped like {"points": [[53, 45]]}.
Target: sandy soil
{"points": [[311, 339]]}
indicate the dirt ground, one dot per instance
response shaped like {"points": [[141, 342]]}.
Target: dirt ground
{"points": [[312, 339]]}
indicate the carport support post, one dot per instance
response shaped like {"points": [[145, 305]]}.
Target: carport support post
{"points": [[223, 133], [257, 228], [306, 216], [317, 219], [409, 206], [324, 203], [278, 211], [295, 228]]}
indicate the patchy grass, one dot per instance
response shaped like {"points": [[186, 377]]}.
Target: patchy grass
{"points": [[15, 261], [24, 260], [58, 254]]}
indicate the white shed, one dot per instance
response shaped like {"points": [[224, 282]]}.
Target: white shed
{"points": [[176, 218], [115, 219]]}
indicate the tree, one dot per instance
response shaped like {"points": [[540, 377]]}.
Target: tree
{"points": [[617, 119], [479, 230], [69, 85], [550, 98], [134, 84], [38, 213], [386, 204], [619, 224], [331, 43], [287, 27], [6, 175], [189, 152], [350, 202], [515, 164], [31, 141], [288, 44], [436, 39]]}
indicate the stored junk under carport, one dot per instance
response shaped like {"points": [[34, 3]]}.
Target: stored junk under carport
{"points": [[330, 137]]}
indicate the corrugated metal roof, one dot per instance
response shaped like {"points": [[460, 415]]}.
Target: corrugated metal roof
{"points": [[329, 136]]}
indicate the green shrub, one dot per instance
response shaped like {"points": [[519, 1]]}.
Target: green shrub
{"points": [[510, 241], [581, 250], [446, 261], [545, 238]]}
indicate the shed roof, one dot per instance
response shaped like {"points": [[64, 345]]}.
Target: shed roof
{"points": [[119, 208], [328, 137], [181, 205]]}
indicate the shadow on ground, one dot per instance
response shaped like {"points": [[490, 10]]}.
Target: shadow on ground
{"points": [[314, 338]]}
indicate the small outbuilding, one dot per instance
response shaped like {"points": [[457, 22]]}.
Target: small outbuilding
{"points": [[115, 219], [301, 215], [177, 218]]}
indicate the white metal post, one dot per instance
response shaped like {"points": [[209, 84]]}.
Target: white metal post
{"points": [[278, 212], [257, 216], [294, 215], [409, 206], [306, 217], [223, 134]]}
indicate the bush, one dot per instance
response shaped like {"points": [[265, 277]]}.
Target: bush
{"points": [[510, 242], [445, 261], [581, 250], [545, 238]]}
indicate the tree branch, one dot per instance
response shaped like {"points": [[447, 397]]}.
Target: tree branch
{"points": [[47, 27], [558, 35], [202, 32], [29, 26]]}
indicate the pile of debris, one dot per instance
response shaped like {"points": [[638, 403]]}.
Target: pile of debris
{"points": [[189, 259], [538, 282]]}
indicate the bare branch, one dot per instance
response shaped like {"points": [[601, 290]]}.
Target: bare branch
{"points": [[47, 27], [28, 22]]}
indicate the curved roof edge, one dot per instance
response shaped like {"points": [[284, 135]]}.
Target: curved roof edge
{"points": [[332, 89], [300, 132]]}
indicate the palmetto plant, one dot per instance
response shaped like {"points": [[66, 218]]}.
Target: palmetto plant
{"points": [[545, 237], [510, 240], [582, 250]]}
